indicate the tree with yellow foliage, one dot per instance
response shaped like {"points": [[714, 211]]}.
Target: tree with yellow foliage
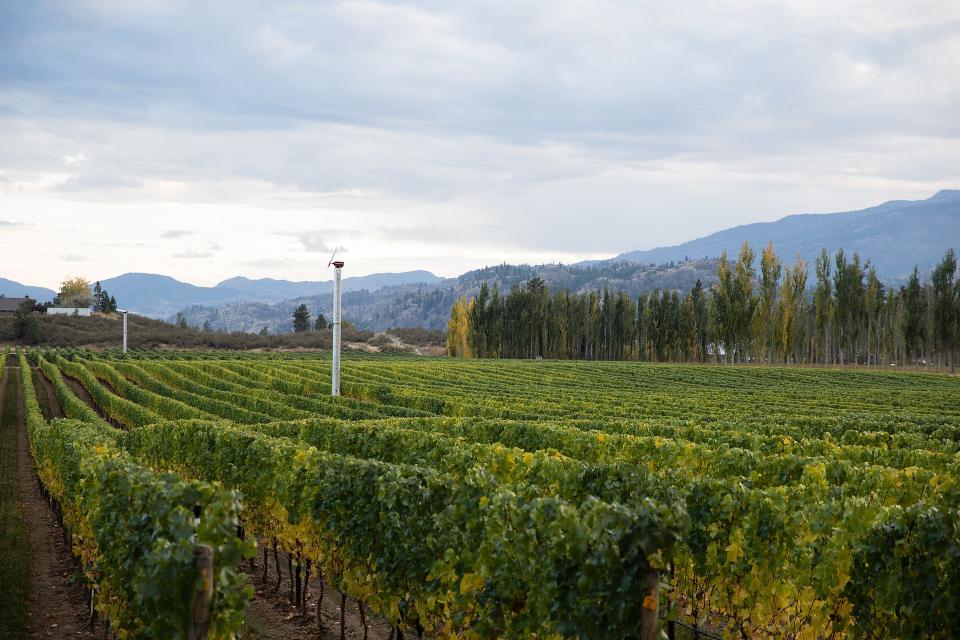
{"points": [[75, 292], [458, 329]]}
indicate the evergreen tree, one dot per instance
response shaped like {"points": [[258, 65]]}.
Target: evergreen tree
{"points": [[99, 304], [321, 323], [301, 319]]}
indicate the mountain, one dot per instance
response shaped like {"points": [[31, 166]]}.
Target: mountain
{"points": [[11, 289], [160, 296], [428, 305], [893, 236], [268, 289]]}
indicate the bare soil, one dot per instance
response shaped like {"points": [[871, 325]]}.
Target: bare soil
{"points": [[79, 390], [58, 603], [271, 616], [45, 389]]}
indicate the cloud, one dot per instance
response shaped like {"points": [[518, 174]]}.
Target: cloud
{"points": [[12, 224], [314, 242], [270, 263], [192, 254], [431, 233], [96, 182], [536, 128], [73, 257]]}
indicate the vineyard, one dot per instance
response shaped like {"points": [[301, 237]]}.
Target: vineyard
{"points": [[506, 499]]}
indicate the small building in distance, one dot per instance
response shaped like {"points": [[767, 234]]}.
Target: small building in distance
{"points": [[68, 311], [9, 306]]}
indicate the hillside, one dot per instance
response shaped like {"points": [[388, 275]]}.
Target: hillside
{"points": [[429, 305], [11, 289], [159, 296], [894, 236]]}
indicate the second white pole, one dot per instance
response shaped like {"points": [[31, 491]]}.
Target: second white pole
{"points": [[335, 378], [124, 331]]}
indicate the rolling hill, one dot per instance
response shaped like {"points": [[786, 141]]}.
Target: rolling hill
{"points": [[11, 289], [160, 296], [428, 305], [895, 236]]}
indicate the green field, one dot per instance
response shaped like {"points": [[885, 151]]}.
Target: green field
{"points": [[519, 499]]}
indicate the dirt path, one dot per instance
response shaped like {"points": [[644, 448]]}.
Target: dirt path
{"points": [[270, 616], [82, 393], [57, 605], [45, 387], [14, 560]]}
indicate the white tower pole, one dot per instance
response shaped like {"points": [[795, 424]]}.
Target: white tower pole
{"points": [[335, 378], [124, 330]]}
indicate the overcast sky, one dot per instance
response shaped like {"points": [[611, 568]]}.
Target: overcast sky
{"points": [[210, 139]]}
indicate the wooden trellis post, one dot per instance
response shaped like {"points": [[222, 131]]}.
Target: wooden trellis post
{"points": [[649, 616], [200, 620]]}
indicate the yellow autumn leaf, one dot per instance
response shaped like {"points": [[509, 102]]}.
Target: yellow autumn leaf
{"points": [[733, 552], [471, 582]]}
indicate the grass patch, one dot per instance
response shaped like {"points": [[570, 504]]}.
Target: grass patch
{"points": [[14, 551]]}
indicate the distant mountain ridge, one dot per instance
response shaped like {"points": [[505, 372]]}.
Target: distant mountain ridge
{"points": [[12, 289], [428, 305], [160, 296], [894, 236]]}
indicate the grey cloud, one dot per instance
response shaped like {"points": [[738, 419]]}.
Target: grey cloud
{"points": [[96, 182], [540, 125], [313, 241], [520, 72], [192, 254], [177, 233], [423, 233], [269, 263], [73, 257]]}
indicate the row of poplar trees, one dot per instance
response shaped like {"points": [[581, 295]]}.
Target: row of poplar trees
{"points": [[766, 312]]}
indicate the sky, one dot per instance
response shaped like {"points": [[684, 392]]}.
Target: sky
{"points": [[206, 140]]}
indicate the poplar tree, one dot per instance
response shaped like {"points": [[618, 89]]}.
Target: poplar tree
{"points": [[770, 268], [945, 309], [914, 321], [823, 304], [458, 329]]}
